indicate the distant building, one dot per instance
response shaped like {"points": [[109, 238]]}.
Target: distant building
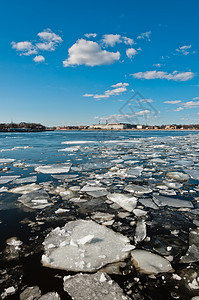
{"points": [[139, 126], [111, 126]]}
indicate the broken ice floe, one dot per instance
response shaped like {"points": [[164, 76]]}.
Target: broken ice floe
{"points": [[25, 189], [127, 202], [6, 179], [150, 263], [36, 199], [98, 286], [84, 246], [137, 189], [140, 231], [25, 180], [6, 160], [192, 254], [168, 201], [178, 176], [54, 168]]}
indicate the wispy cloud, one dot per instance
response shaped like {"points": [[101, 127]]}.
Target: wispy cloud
{"points": [[184, 50], [145, 36], [89, 35], [191, 104], [118, 89], [179, 109], [173, 102], [176, 76], [89, 53]]}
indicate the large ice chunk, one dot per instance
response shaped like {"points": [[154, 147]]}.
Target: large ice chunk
{"points": [[150, 263], [25, 189], [54, 168], [178, 176], [127, 202], [192, 254], [137, 189], [174, 202], [98, 286], [36, 199], [6, 179], [83, 246]]}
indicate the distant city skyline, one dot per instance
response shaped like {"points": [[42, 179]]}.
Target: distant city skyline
{"points": [[65, 63]]}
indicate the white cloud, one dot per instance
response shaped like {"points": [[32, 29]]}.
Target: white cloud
{"points": [[179, 109], [46, 46], [39, 58], [49, 36], [119, 84], [158, 65], [49, 41], [127, 41], [143, 100], [145, 36], [25, 48], [176, 76], [184, 50], [116, 91], [96, 96], [89, 53], [119, 88], [173, 102], [191, 104], [131, 52], [111, 39], [88, 95], [142, 112], [88, 35], [196, 98]]}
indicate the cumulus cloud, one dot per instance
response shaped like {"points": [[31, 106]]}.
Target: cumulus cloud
{"points": [[131, 52], [145, 36], [112, 39], [88, 35], [39, 58], [46, 46], [25, 48], [49, 36], [173, 102], [176, 76], [184, 50], [89, 53], [48, 42]]}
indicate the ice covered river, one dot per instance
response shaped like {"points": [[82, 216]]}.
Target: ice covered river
{"points": [[99, 215]]}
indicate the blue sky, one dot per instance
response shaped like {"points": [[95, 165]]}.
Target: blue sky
{"points": [[81, 62]]}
